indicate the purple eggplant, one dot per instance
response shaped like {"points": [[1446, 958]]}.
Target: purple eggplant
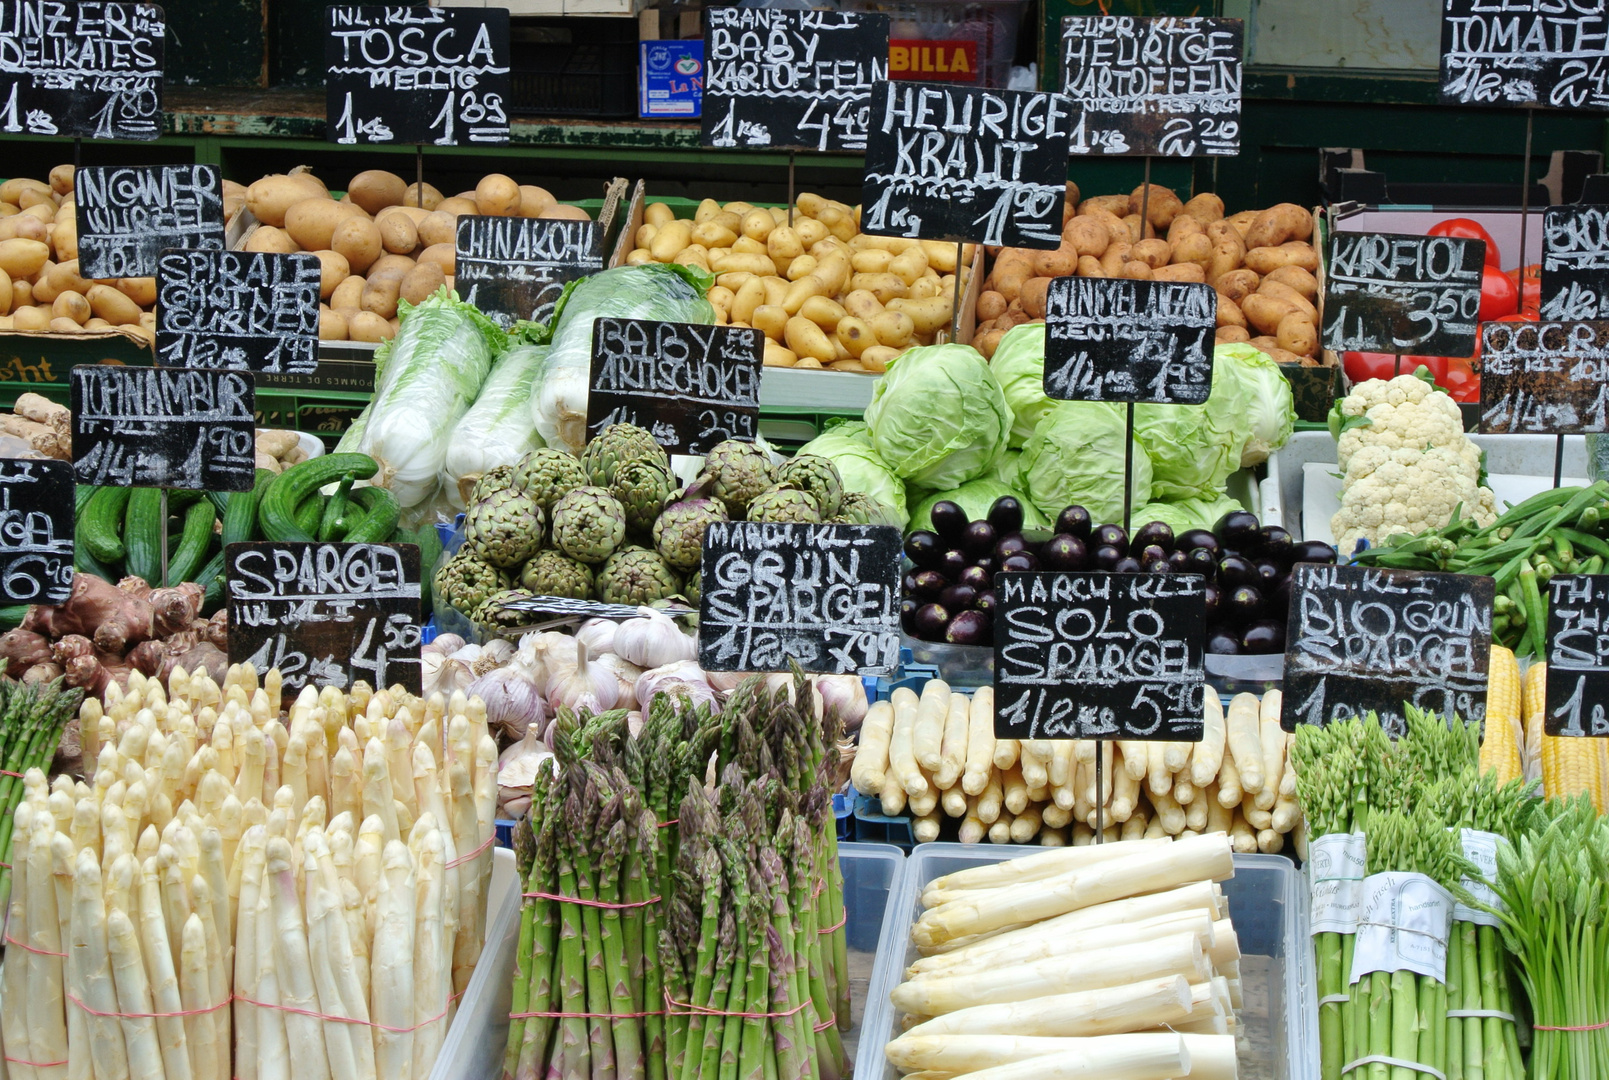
{"points": [[1128, 565], [1009, 544], [924, 549], [1063, 551], [1105, 557], [1006, 515], [1150, 553], [953, 563], [1275, 544], [957, 597], [1242, 604], [1214, 597], [1020, 562], [1223, 642], [1110, 535], [975, 576], [1179, 562], [986, 601], [1201, 561], [949, 521], [968, 628], [1269, 574], [1075, 521], [930, 620], [1157, 566], [1313, 551], [1236, 529], [929, 583], [1191, 539], [978, 539], [907, 615], [1236, 570], [907, 583], [988, 562], [1155, 533], [1264, 636]]}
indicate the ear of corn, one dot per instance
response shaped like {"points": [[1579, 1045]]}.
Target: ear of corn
{"points": [[1571, 765], [1500, 745]]}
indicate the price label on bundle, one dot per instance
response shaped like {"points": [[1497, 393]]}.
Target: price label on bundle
{"points": [[959, 163], [1110, 339], [435, 75], [1099, 656], [36, 531], [84, 71], [1577, 642], [1391, 293], [127, 215], [691, 386], [1548, 378], [1363, 640], [326, 614], [516, 268], [1524, 54], [164, 427], [800, 79], [238, 310], [1162, 86], [1575, 262], [826, 596]]}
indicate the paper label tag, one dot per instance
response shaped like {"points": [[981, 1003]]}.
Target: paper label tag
{"points": [[1335, 877], [1404, 927], [1480, 848]]}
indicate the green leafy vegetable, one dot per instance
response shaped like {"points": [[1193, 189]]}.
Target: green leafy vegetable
{"points": [[938, 416], [1076, 457]]}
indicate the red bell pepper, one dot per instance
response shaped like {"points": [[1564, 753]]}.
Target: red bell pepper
{"points": [[1469, 229], [1499, 294]]}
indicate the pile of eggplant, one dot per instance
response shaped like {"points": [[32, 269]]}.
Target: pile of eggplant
{"points": [[949, 583]]}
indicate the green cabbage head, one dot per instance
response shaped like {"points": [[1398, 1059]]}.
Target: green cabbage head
{"points": [[1076, 458], [1019, 365], [938, 417], [1194, 448], [849, 447], [1270, 407]]}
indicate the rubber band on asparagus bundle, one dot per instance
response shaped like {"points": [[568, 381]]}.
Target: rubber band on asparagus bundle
{"points": [[687, 1008], [831, 1021], [35, 1064], [29, 948], [837, 926], [156, 1015], [1579, 1027], [469, 856], [336, 1019], [590, 903], [668, 824], [19, 776]]}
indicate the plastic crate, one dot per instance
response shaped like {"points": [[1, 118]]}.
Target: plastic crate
{"points": [[872, 826], [473, 1049], [1267, 903], [574, 67]]}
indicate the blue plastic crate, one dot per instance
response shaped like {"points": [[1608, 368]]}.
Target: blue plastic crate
{"points": [[872, 826], [503, 829], [843, 811]]}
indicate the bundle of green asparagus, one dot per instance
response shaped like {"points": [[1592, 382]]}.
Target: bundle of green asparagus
{"points": [[32, 716], [683, 911]]}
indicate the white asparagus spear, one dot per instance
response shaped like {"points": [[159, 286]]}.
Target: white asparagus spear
{"points": [[195, 993], [133, 998], [91, 962], [431, 974], [164, 981], [1207, 754], [392, 980], [902, 770], [953, 749], [1272, 737], [303, 1033], [957, 1054], [1244, 741], [273, 1048], [79, 1065], [1136, 757], [1013, 872], [325, 949], [871, 757], [1005, 750], [1107, 1011], [251, 859], [14, 1020], [218, 958], [1159, 778], [427, 789], [980, 742], [471, 904], [982, 957], [1036, 754], [1158, 1061], [927, 734], [47, 1026], [1061, 763]]}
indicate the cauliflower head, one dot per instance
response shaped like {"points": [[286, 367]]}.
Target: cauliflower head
{"points": [[1408, 490], [1402, 412]]}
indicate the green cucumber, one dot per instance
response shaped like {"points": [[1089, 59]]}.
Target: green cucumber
{"points": [[86, 563], [240, 520], [142, 534], [219, 501], [429, 541], [211, 579], [82, 493], [379, 520], [187, 555], [281, 503], [310, 513], [11, 617], [337, 516], [100, 526]]}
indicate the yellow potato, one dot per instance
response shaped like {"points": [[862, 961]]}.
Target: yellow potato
{"points": [[712, 234], [443, 255], [565, 212], [645, 234], [776, 288], [941, 255], [45, 290], [312, 222], [738, 207], [927, 315], [71, 305], [331, 325], [810, 231], [23, 258], [924, 287], [399, 233], [824, 311], [348, 294], [64, 275], [269, 198], [376, 189], [877, 358], [97, 323], [694, 255], [21, 291], [401, 264], [885, 287], [669, 241], [707, 209], [64, 238], [18, 188], [380, 295], [61, 324], [24, 226], [5, 293], [910, 265], [497, 195], [438, 228], [805, 338], [333, 268], [771, 320], [61, 180], [721, 298], [783, 244], [268, 238], [426, 198], [43, 212], [855, 334], [799, 267], [31, 318], [358, 240], [658, 215], [871, 261], [802, 290], [754, 264], [458, 204], [534, 201], [638, 256], [757, 225], [367, 326], [113, 306], [778, 355], [421, 282], [141, 290], [734, 282], [749, 295], [894, 328]]}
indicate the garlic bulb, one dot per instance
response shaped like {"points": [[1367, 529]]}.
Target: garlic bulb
{"points": [[624, 670], [585, 680], [598, 635], [682, 679], [544, 656], [448, 643], [724, 682], [442, 674], [653, 640], [517, 768], [498, 650], [846, 695], [513, 701]]}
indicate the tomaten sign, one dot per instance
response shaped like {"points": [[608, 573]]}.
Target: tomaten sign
{"points": [[933, 61]]}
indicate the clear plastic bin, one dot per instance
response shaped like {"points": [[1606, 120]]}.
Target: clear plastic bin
{"points": [[929, 40], [474, 1046], [1267, 903]]}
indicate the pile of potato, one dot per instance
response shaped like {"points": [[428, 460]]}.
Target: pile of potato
{"points": [[40, 289], [825, 294], [1260, 261], [383, 240]]}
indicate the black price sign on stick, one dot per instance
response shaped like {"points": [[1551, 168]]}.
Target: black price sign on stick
{"points": [[163, 427], [1099, 656], [1363, 640], [85, 70], [1578, 655], [1548, 378], [1110, 339], [1575, 262], [326, 614], [516, 268], [127, 215], [239, 310], [1391, 293], [958, 163], [1162, 86], [791, 79], [36, 531], [1524, 54], [692, 386], [825, 595], [434, 75]]}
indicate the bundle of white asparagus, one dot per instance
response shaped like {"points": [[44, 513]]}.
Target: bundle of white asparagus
{"points": [[937, 756], [234, 894], [1108, 960]]}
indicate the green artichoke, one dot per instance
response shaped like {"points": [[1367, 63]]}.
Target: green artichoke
{"points": [[679, 531], [497, 478], [550, 573], [588, 524], [492, 613], [693, 588], [642, 488], [465, 581], [816, 475], [614, 446], [504, 529], [545, 474], [636, 576], [785, 504], [739, 471], [858, 508]]}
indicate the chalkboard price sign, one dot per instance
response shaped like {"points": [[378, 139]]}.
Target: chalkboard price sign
{"points": [[959, 163], [127, 215], [240, 310], [1575, 262], [163, 427], [692, 386], [36, 531], [1524, 54], [799, 79], [1099, 656], [1578, 655], [326, 614], [1110, 339], [515, 268], [1549, 378], [397, 74], [824, 595], [1364, 640], [85, 71], [1162, 86], [1392, 293]]}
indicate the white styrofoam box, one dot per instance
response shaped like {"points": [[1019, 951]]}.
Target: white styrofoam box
{"points": [[1504, 226], [1309, 495]]}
